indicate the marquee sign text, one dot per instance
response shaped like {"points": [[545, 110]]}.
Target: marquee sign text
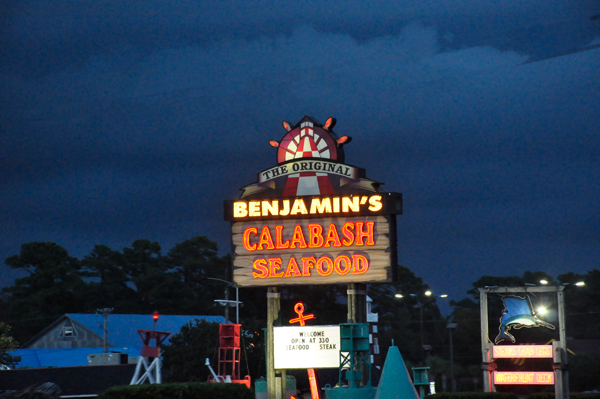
{"points": [[307, 347]]}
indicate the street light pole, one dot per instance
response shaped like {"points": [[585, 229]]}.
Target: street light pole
{"points": [[450, 327], [226, 302], [421, 306], [422, 338]]}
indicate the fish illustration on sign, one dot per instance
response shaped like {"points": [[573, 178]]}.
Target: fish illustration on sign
{"points": [[517, 313]]}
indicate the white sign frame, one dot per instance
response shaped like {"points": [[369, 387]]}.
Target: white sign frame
{"points": [[307, 347]]}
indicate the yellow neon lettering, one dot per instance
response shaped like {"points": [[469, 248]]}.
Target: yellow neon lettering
{"points": [[320, 206], [350, 204], [270, 207], [299, 207], [375, 203], [254, 208], [286, 208], [240, 210]]}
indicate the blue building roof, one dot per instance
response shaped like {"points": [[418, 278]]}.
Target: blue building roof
{"points": [[122, 328], [122, 337]]}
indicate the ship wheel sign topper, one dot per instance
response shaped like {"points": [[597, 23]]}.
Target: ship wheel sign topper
{"points": [[310, 161]]}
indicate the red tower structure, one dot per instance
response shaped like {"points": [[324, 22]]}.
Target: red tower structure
{"points": [[229, 350], [229, 355]]}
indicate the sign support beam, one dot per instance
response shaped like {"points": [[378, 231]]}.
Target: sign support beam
{"points": [[561, 372], [273, 307], [357, 313]]}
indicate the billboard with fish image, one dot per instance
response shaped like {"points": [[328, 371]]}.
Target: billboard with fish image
{"points": [[518, 313]]}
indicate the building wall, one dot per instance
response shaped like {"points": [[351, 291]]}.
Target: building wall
{"points": [[71, 380], [68, 334]]}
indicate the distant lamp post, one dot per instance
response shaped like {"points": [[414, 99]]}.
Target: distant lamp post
{"points": [[450, 327], [543, 282], [421, 305], [580, 283], [227, 302]]}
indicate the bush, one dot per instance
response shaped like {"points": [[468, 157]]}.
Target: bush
{"points": [[474, 395], [550, 395], [194, 390]]}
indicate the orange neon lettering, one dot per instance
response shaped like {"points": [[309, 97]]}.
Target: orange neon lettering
{"points": [[332, 236], [329, 269], [338, 262], [292, 268], [261, 266], [315, 235], [360, 234], [265, 239], [307, 264], [360, 264], [246, 238], [278, 238], [298, 238], [348, 234], [274, 265]]}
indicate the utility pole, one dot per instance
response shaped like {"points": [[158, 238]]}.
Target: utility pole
{"points": [[105, 312], [450, 327]]}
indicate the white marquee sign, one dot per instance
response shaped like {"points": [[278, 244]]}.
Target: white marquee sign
{"points": [[307, 347]]}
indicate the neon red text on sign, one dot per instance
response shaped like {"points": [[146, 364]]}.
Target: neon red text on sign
{"points": [[358, 234], [324, 266], [523, 378], [522, 351]]}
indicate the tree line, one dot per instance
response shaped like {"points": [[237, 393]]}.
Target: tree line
{"points": [[141, 279]]}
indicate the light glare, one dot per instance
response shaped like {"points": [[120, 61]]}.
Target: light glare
{"points": [[542, 310]]}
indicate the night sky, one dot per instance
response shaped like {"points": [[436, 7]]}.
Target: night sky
{"points": [[122, 120]]}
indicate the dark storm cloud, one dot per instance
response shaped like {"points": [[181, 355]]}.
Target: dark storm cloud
{"points": [[41, 37], [135, 120]]}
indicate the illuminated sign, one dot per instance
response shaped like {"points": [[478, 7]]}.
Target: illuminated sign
{"points": [[310, 161], [313, 251], [313, 206], [523, 377], [316, 166], [307, 347], [312, 219], [522, 351], [517, 313], [299, 309]]}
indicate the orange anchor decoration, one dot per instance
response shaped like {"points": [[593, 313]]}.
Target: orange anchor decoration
{"points": [[299, 308]]}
